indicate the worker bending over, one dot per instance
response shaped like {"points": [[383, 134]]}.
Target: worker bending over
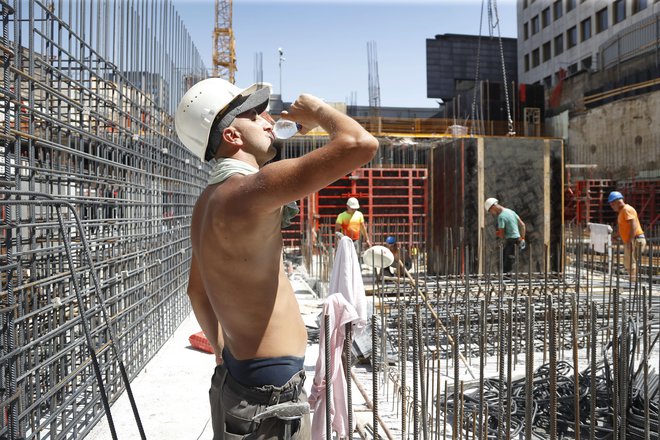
{"points": [[510, 228]]}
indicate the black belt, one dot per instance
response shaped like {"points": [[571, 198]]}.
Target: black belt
{"points": [[271, 396]]}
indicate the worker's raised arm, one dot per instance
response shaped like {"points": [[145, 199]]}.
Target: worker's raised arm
{"points": [[350, 146]]}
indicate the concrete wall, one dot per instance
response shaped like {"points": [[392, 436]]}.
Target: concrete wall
{"points": [[525, 174], [557, 126], [622, 138]]}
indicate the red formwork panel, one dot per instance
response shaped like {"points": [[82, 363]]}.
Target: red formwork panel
{"points": [[644, 196], [586, 202], [394, 201]]}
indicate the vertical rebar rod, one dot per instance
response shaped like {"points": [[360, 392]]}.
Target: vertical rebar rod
{"points": [[501, 325], [529, 365], [416, 375], [624, 377], [482, 365], [615, 363], [8, 245], [509, 373], [455, 327], [553, 371], [461, 409], [404, 368], [328, 376], [467, 340], [422, 383], [347, 372], [438, 373], [593, 402], [374, 370], [576, 371], [446, 410], [645, 362]]}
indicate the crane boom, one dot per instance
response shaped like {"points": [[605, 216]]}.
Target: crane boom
{"points": [[224, 54]]}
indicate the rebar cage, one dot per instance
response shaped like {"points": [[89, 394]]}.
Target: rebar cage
{"points": [[97, 196]]}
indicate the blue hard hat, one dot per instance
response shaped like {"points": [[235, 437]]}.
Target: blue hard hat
{"points": [[390, 240], [614, 195]]}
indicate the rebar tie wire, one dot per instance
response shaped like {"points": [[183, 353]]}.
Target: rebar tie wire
{"points": [[111, 333]]}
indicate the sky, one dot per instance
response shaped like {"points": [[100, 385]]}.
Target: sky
{"points": [[325, 43]]}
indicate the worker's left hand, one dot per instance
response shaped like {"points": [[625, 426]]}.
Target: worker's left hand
{"points": [[305, 110], [523, 245]]}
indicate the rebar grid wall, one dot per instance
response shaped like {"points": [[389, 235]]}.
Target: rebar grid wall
{"points": [[89, 90]]}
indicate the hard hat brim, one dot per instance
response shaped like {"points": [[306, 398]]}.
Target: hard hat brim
{"points": [[256, 99]]}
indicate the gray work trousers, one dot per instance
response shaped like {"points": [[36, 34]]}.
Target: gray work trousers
{"points": [[233, 406]]}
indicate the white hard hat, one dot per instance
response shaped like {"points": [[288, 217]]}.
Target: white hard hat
{"points": [[353, 203], [378, 256], [490, 202], [201, 104]]}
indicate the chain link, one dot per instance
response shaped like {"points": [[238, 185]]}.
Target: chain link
{"points": [[476, 73], [492, 12]]}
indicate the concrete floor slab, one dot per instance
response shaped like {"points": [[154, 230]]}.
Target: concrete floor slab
{"points": [[171, 394]]}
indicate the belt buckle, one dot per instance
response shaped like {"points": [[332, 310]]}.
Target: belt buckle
{"points": [[296, 392], [274, 398]]}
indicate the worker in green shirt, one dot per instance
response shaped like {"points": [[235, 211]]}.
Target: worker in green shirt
{"points": [[510, 228]]}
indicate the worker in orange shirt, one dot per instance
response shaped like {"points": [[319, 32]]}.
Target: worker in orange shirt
{"points": [[630, 231], [351, 224]]}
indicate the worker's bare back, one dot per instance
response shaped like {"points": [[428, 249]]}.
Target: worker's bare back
{"points": [[236, 229], [238, 251]]}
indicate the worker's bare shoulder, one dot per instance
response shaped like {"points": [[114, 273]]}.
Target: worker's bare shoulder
{"points": [[232, 206]]}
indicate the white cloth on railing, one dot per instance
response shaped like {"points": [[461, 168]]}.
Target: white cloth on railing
{"points": [[600, 236], [346, 278]]}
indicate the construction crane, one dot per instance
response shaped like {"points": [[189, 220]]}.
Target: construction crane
{"points": [[224, 54]]}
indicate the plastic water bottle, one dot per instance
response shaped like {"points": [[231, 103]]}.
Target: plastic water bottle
{"points": [[284, 129]]}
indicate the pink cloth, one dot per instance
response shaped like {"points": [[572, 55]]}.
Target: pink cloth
{"points": [[346, 278], [341, 312]]}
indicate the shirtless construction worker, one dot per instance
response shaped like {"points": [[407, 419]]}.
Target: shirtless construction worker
{"points": [[239, 292]]}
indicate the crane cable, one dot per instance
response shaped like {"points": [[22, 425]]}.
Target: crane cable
{"points": [[476, 74], [492, 11], [494, 23]]}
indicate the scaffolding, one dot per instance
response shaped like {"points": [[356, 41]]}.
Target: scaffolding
{"points": [[97, 195]]}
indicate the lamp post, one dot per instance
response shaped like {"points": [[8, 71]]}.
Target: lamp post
{"points": [[281, 52]]}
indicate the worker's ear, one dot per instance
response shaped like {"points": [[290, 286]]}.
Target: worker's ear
{"points": [[232, 139]]}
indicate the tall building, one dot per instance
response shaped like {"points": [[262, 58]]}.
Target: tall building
{"points": [[452, 65], [562, 37]]}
